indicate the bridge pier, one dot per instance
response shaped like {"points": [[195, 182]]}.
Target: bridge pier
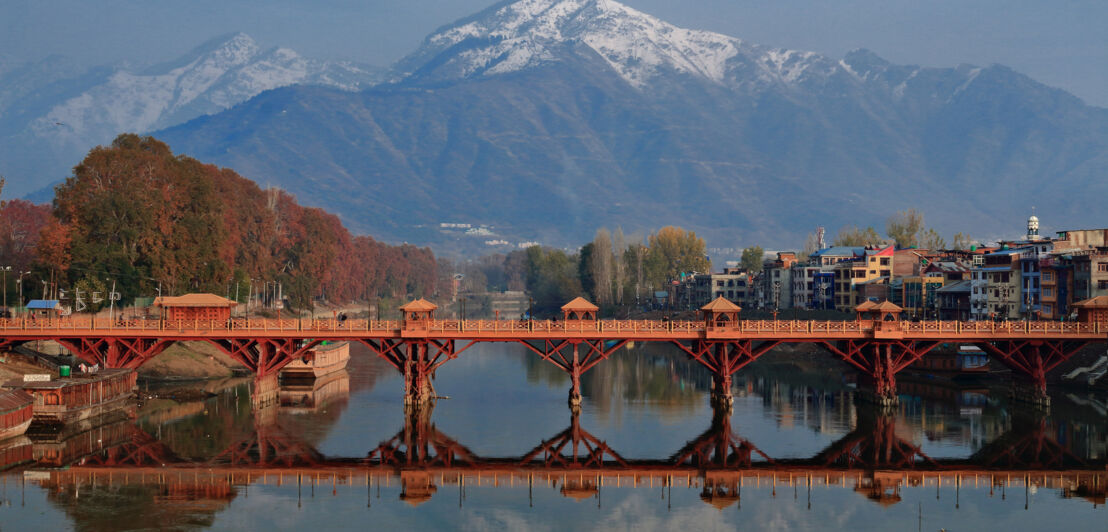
{"points": [[724, 358], [879, 362], [574, 365], [417, 361], [1032, 359]]}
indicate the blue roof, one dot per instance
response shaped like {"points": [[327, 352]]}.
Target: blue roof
{"points": [[839, 251], [47, 304]]}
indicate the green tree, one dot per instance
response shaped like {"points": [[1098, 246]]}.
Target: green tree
{"points": [[751, 259]]}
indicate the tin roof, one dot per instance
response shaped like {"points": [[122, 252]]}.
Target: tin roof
{"points": [[580, 304], [76, 379], [419, 305], [43, 304], [194, 300], [11, 400]]}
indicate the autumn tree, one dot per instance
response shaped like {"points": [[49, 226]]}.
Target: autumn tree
{"points": [[852, 236], [904, 227], [961, 241], [673, 251], [932, 240]]}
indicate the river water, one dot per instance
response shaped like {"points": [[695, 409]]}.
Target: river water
{"points": [[496, 452]]}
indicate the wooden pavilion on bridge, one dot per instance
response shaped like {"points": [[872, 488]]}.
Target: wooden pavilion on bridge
{"points": [[418, 314], [195, 307], [883, 311], [720, 313], [579, 309], [1092, 310]]}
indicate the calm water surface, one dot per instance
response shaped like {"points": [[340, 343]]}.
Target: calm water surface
{"points": [[498, 454]]}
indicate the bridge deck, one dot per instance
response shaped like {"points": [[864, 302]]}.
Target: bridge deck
{"points": [[513, 330]]}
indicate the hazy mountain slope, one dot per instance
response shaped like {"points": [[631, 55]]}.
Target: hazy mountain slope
{"points": [[51, 113], [548, 118]]}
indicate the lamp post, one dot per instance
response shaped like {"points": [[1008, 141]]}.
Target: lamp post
{"points": [[4, 270], [19, 282]]}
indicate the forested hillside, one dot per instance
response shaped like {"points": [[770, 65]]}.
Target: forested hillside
{"points": [[136, 214]]}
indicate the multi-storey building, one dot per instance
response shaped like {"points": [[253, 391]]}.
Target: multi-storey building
{"points": [[1003, 290], [954, 300], [776, 281], [867, 266], [979, 290], [1090, 273]]}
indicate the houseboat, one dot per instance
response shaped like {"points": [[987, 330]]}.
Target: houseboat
{"points": [[965, 361], [325, 359], [79, 397], [15, 413]]}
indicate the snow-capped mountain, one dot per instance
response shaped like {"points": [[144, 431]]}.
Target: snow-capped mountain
{"points": [[550, 118], [213, 77], [516, 35], [52, 114]]}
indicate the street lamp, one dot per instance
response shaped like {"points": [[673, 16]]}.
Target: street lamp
{"points": [[4, 270], [19, 282]]}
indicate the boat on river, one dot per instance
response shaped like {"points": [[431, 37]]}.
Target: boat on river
{"points": [[79, 397], [325, 359], [16, 409]]}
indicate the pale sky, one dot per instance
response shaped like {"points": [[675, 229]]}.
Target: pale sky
{"points": [[1063, 43]]}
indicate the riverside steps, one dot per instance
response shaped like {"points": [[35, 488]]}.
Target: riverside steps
{"points": [[877, 343]]}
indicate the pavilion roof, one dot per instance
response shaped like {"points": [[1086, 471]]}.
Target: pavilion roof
{"points": [[865, 306], [886, 306], [580, 304], [1096, 302], [193, 300], [419, 305], [721, 304]]}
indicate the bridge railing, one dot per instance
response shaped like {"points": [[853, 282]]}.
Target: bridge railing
{"points": [[645, 328]]}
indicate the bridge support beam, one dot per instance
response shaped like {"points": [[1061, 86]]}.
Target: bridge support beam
{"points": [[880, 361], [417, 360], [1032, 359], [264, 356], [574, 364], [724, 358], [113, 352]]}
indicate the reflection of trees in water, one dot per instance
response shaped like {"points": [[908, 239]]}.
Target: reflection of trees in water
{"points": [[653, 373], [224, 419], [140, 507]]}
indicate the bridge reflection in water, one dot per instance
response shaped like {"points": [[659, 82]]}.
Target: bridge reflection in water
{"points": [[871, 460]]}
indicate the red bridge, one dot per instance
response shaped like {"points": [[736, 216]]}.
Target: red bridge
{"points": [[877, 343]]}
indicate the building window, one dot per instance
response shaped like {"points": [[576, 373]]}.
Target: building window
{"points": [[1102, 266], [1102, 285]]}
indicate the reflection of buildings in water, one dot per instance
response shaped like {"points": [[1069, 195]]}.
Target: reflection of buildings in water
{"points": [[824, 412]]}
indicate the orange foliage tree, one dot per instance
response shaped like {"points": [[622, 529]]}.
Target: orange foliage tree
{"points": [[148, 219]]}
